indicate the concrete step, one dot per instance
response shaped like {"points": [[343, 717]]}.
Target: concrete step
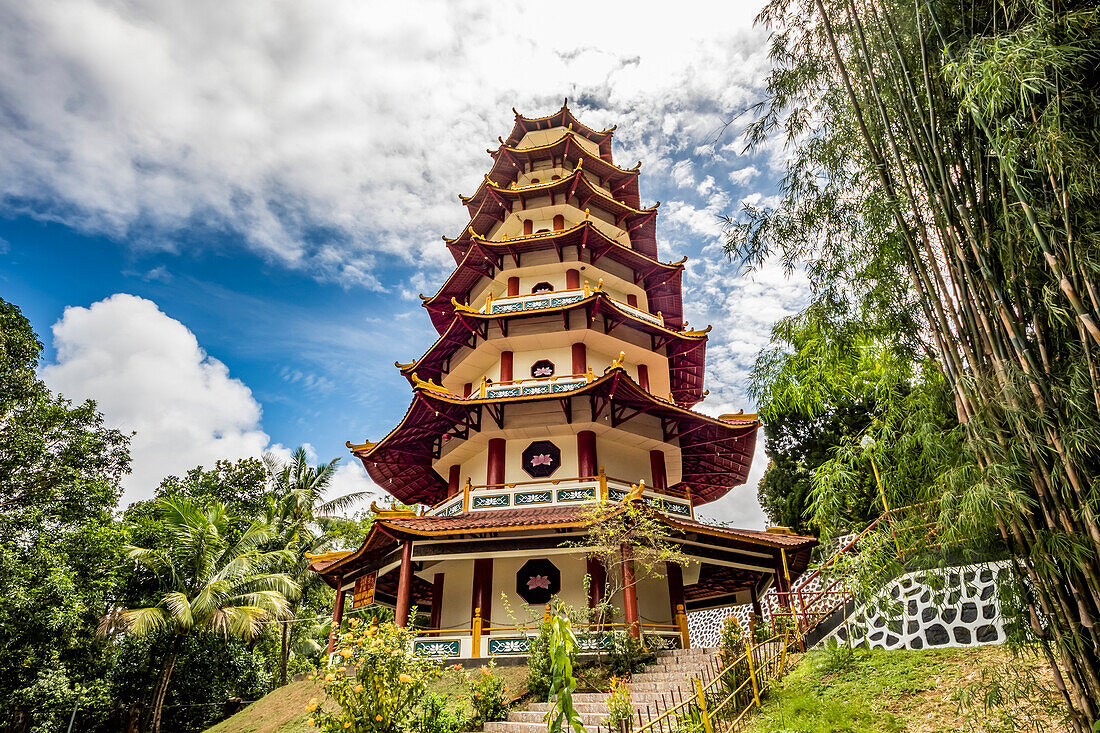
{"points": [[581, 707], [681, 653], [590, 719], [684, 665], [659, 676]]}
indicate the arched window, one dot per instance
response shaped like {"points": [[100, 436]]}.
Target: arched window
{"points": [[535, 180], [528, 226], [555, 178], [559, 223]]}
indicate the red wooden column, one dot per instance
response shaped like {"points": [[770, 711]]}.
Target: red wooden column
{"points": [[597, 581], [506, 366], [404, 585], [580, 358], [657, 469], [675, 586], [587, 462], [630, 592], [572, 279], [453, 480], [483, 590], [337, 614], [643, 377], [437, 601], [494, 473], [513, 286]]}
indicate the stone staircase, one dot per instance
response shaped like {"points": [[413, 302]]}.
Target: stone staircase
{"points": [[662, 685]]}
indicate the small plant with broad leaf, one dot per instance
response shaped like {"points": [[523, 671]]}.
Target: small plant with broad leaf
{"points": [[562, 716]]}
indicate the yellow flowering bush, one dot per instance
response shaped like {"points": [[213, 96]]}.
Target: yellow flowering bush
{"points": [[381, 683]]}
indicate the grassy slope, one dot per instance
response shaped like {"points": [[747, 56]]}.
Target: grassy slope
{"points": [[283, 710], [910, 692]]}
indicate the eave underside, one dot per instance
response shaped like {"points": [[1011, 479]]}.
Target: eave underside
{"points": [[716, 455]]}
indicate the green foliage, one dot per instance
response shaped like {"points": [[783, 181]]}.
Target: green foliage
{"points": [[626, 654], [379, 683], [434, 716], [619, 706], [562, 715], [941, 197], [488, 695], [539, 672]]}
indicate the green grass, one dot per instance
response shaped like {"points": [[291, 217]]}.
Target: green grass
{"points": [[893, 692]]}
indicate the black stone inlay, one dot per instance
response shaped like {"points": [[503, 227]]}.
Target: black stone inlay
{"points": [[895, 627], [962, 635], [986, 633], [917, 643], [989, 611], [912, 608], [891, 640], [986, 576], [969, 613], [987, 592], [936, 635], [913, 627], [949, 614], [927, 614]]}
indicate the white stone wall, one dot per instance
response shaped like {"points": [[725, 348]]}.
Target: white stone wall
{"points": [[962, 610]]}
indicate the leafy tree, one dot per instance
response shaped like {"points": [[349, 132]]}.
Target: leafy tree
{"points": [[240, 484], [301, 516], [210, 582], [60, 470], [943, 185]]}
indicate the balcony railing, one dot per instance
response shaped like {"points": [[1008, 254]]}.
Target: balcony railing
{"points": [[533, 385], [556, 299], [549, 492]]}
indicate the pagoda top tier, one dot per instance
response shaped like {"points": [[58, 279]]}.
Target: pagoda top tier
{"points": [[562, 118]]}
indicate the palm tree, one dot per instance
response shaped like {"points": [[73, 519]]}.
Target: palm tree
{"points": [[301, 515], [213, 582]]}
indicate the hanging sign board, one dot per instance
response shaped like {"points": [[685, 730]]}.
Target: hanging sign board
{"points": [[363, 593]]}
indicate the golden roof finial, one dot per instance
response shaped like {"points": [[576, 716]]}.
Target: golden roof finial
{"points": [[356, 447], [599, 286], [419, 383], [618, 363], [462, 307], [587, 214], [403, 367], [424, 297], [392, 512], [635, 492], [696, 332]]}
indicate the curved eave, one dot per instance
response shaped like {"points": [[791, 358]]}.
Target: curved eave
{"points": [[686, 351], [477, 256], [386, 534], [716, 455], [562, 118], [491, 194], [623, 182]]}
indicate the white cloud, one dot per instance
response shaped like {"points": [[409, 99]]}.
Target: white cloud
{"points": [[324, 134], [147, 373], [742, 176]]}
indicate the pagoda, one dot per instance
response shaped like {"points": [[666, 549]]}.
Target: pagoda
{"points": [[563, 376]]}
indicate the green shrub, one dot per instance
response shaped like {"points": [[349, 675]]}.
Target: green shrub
{"points": [[379, 684], [488, 695], [619, 707], [433, 716], [626, 654], [539, 676]]}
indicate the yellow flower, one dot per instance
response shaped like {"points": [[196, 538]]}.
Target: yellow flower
{"points": [[406, 678], [358, 688], [345, 653], [347, 725], [312, 704], [330, 677], [310, 722], [378, 718]]}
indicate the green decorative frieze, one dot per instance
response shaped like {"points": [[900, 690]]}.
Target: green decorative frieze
{"points": [[490, 502], [437, 648], [511, 645], [576, 494], [534, 497]]}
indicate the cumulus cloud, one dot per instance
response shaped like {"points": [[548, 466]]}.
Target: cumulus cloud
{"points": [[324, 135], [148, 374]]}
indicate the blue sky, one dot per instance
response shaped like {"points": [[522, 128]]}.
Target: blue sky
{"points": [[238, 205]]}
